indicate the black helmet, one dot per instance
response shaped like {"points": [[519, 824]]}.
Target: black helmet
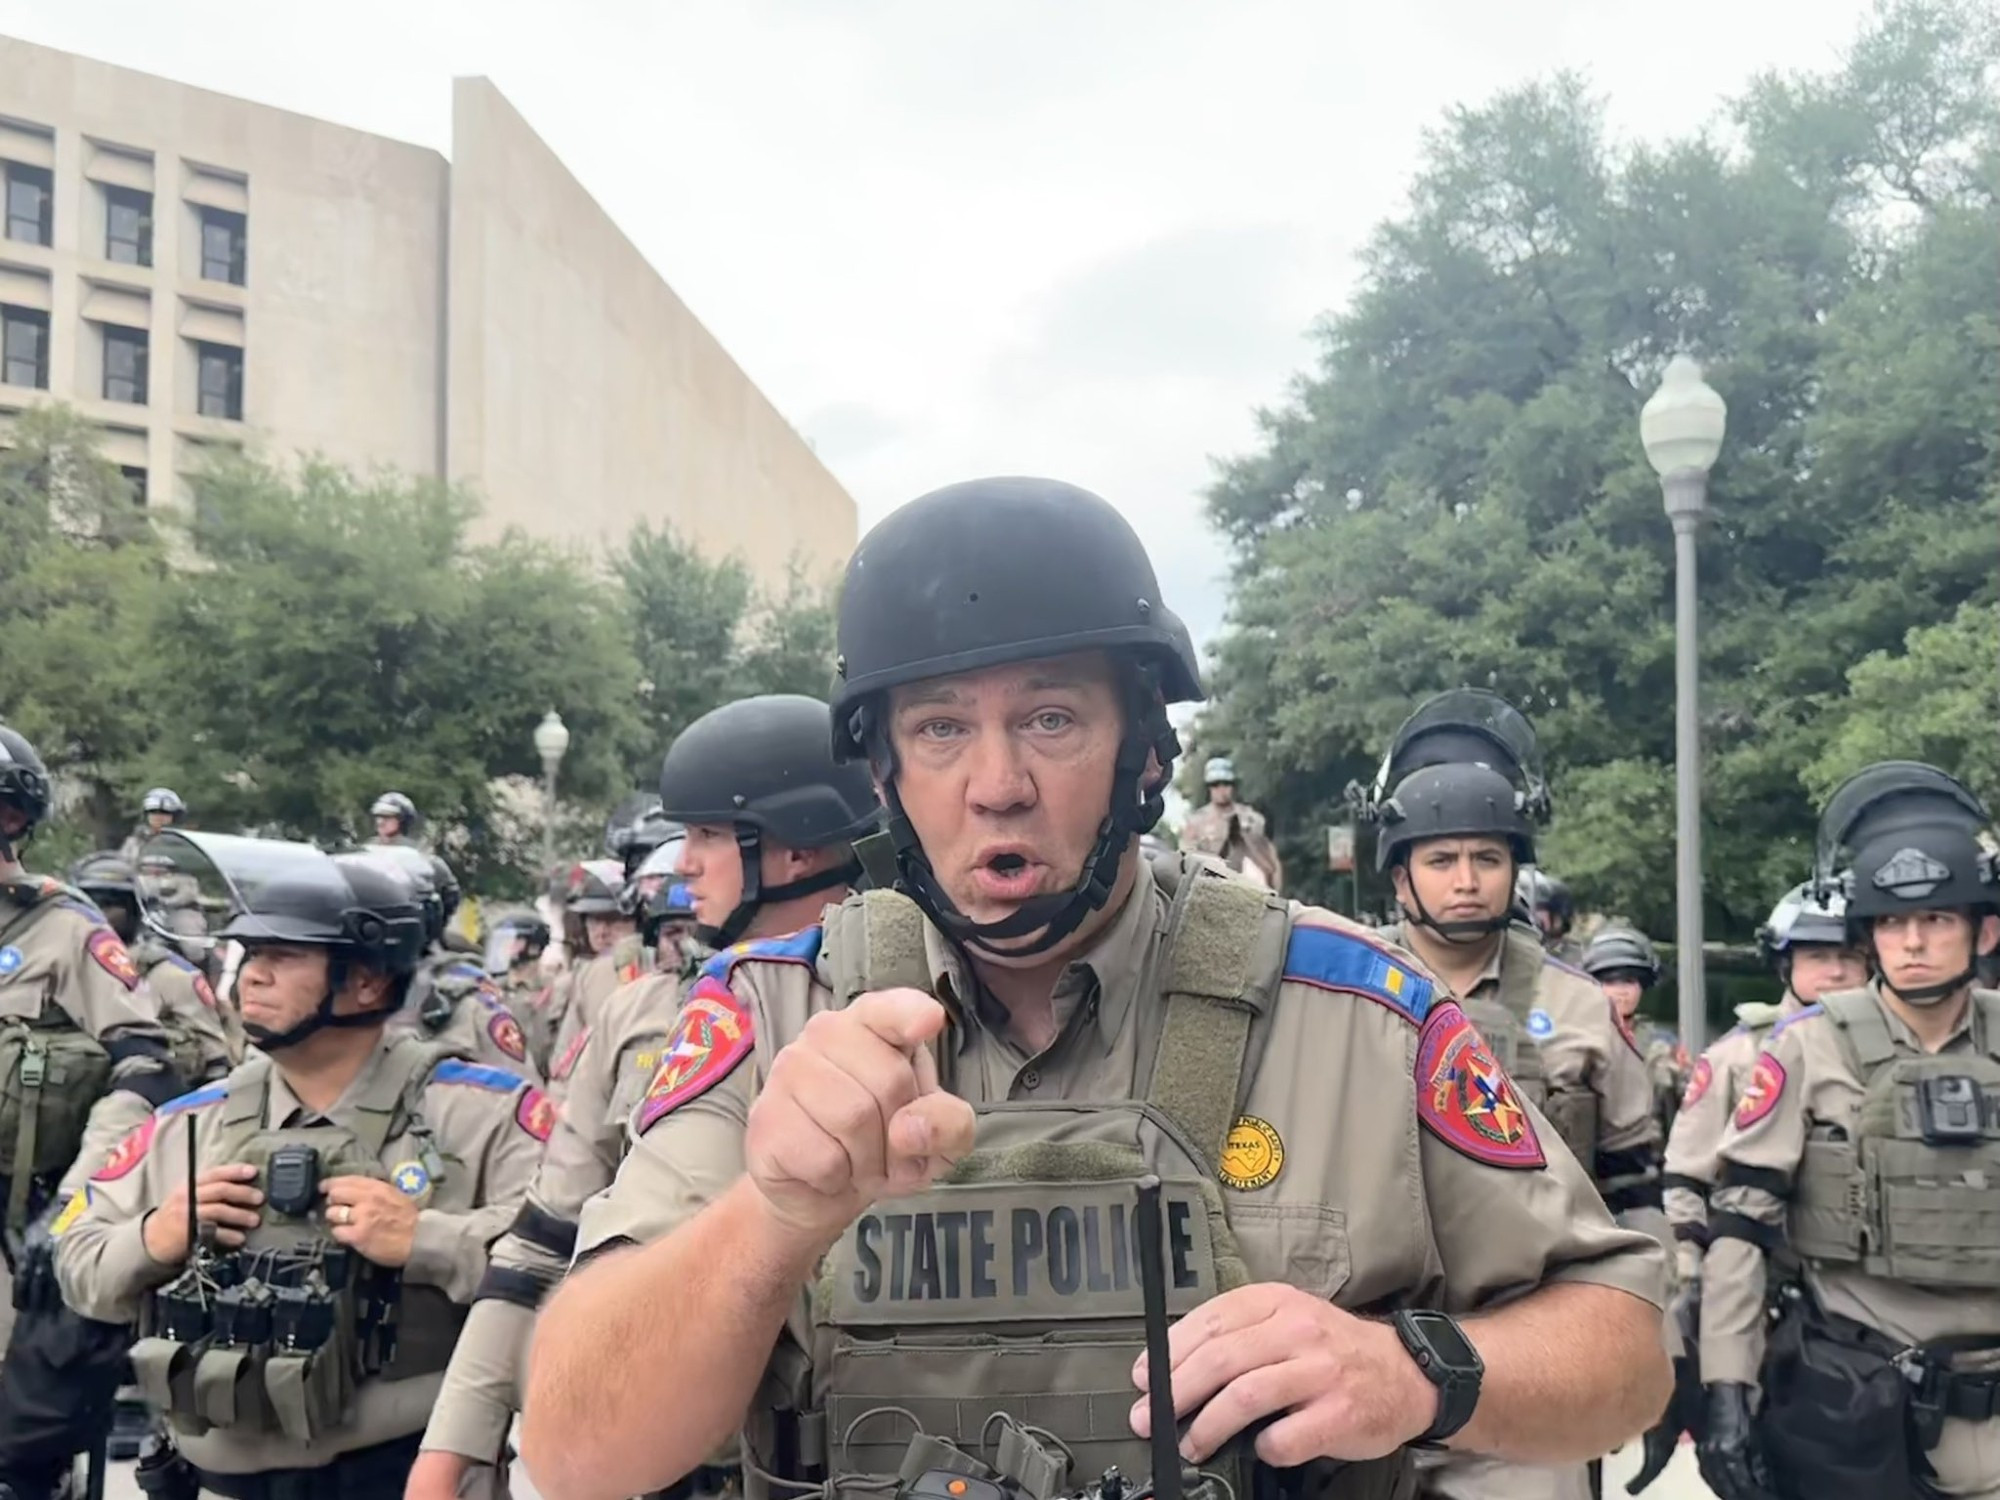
{"points": [[105, 872], [671, 901], [765, 767], [1540, 891], [593, 888], [1916, 840], [1805, 915], [635, 829], [508, 926], [444, 880], [1621, 950], [357, 906], [24, 786], [395, 805], [995, 571], [415, 867], [163, 799], [1452, 801]]}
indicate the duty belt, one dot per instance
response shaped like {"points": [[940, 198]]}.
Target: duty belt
{"points": [[380, 1469]]}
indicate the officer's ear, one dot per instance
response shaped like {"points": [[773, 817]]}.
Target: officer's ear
{"points": [[369, 989], [1986, 937], [1399, 881]]}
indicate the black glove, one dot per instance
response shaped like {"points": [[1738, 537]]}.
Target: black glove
{"points": [[35, 1269], [1730, 1460], [1687, 1408]]}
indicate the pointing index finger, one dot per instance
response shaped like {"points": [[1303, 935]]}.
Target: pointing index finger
{"points": [[904, 1018]]}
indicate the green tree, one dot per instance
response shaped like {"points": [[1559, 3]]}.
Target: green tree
{"points": [[341, 637], [1456, 495], [80, 574]]}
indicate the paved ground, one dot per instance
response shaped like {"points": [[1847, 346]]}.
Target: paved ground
{"points": [[1680, 1482]]}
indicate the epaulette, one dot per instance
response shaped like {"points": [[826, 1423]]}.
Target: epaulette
{"points": [[802, 947], [1331, 959], [478, 1075], [1796, 1016], [1550, 961], [215, 1093]]}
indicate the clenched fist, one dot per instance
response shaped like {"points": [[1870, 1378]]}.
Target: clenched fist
{"points": [[852, 1113]]}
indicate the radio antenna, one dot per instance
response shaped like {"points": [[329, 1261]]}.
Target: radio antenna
{"points": [[1159, 1358]]}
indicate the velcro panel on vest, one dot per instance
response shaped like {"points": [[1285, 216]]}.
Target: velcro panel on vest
{"points": [[1829, 1201], [1936, 1207], [875, 941], [1212, 997]]}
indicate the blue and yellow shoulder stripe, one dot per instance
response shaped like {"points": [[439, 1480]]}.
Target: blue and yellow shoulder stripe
{"points": [[1793, 1019], [801, 947], [1331, 958], [476, 1075], [201, 1098]]}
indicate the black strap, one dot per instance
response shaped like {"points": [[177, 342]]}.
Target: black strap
{"points": [[1671, 1181], [1694, 1234], [1632, 1195], [510, 1284], [543, 1229], [1726, 1226], [157, 1084], [380, 1469], [1764, 1179]]}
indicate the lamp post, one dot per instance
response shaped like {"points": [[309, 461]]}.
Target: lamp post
{"points": [[1681, 428], [551, 740]]}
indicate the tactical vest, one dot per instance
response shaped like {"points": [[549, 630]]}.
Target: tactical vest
{"points": [[51, 1073], [276, 1336], [999, 1313], [184, 1046], [1914, 1194]]}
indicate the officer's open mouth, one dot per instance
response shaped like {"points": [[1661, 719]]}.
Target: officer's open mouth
{"points": [[1007, 864]]}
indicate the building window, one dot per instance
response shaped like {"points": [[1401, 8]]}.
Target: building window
{"points": [[125, 365], [220, 383], [224, 236], [128, 226], [136, 478], [31, 201], [24, 347]]}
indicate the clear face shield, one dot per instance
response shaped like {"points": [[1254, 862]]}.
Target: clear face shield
{"points": [[1891, 794], [199, 890]]}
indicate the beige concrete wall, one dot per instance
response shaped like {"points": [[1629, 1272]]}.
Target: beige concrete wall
{"points": [[581, 386], [340, 318]]}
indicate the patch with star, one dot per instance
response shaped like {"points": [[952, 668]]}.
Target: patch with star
{"points": [[713, 1035], [11, 960], [1704, 1075], [1541, 1025], [109, 953], [506, 1034], [129, 1152], [1762, 1092], [411, 1180], [536, 1113], [1465, 1098]]}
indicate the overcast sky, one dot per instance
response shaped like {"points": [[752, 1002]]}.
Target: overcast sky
{"points": [[1083, 238]]}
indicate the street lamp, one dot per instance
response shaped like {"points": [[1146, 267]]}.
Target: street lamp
{"points": [[551, 740], [1681, 428]]}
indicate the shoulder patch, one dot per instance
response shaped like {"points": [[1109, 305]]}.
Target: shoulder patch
{"points": [[1796, 1016], [571, 1053], [201, 1098], [1465, 1098], [712, 1035], [1330, 959], [129, 1152], [108, 951], [1698, 1082], [477, 1075], [536, 1113], [1762, 1093], [506, 1034], [802, 947]]}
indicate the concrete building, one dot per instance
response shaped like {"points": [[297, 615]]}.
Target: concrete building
{"points": [[190, 269]]}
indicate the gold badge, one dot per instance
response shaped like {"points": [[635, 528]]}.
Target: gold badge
{"points": [[1253, 1154]]}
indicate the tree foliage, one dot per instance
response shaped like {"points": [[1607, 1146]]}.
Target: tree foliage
{"points": [[300, 641], [1457, 494]]}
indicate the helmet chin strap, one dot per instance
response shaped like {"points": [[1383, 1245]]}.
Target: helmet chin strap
{"points": [[1046, 921], [1465, 932], [1926, 995], [322, 1017], [756, 895]]}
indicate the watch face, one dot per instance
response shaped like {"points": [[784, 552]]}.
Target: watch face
{"points": [[1454, 1350]]}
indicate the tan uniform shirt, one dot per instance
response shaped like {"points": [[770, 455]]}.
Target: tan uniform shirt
{"points": [[618, 1059], [56, 950], [483, 1121], [1709, 1100], [479, 1026], [595, 982], [1362, 1185], [1803, 1079], [1231, 834], [188, 1004]]}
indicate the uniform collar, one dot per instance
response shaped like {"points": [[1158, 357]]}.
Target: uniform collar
{"points": [[1109, 971], [1489, 972], [1963, 1036], [286, 1108]]}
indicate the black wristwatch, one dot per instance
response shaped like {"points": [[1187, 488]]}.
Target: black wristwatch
{"points": [[1449, 1362]]}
